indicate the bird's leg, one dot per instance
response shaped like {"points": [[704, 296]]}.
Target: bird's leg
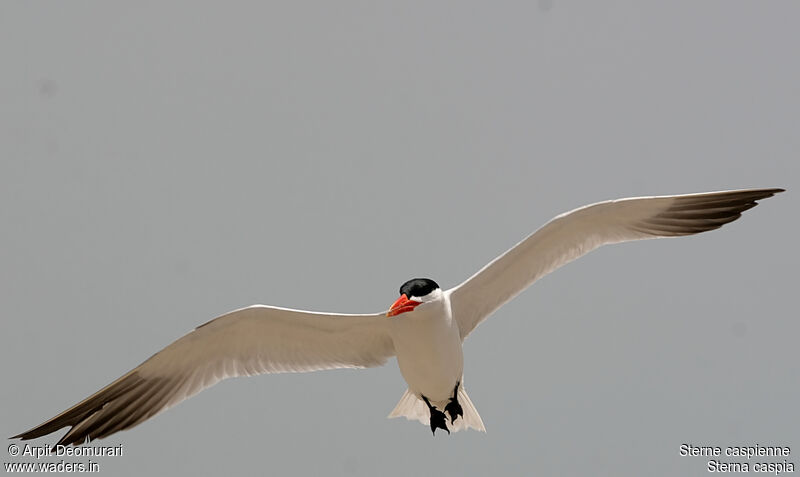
{"points": [[438, 419], [453, 407]]}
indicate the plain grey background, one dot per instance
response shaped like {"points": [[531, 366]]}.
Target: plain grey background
{"points": [[164, 162]]}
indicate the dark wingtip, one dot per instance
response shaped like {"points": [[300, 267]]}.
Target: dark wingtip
{"points": [[696, 213], [26, 436], [74, 415]]}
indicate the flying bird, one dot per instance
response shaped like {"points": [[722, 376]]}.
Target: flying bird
{"points": [[424, 328]]}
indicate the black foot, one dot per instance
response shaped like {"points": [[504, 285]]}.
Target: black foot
{"points": [[438, 419], [453, 407]]}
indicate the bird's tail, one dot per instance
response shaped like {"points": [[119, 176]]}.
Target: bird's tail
{"points": [[413, 408]]}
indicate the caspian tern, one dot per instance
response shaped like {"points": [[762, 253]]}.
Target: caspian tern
{"points": [[425, 327]]}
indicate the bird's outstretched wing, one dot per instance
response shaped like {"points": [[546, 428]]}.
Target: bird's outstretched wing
{"points": [[573, 234], [254, 340]]}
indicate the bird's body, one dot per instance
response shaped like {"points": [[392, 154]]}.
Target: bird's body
{"points": [[428, 347], [424, 328]]}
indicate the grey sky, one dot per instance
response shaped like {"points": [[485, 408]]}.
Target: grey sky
{"points": [[163, 163]]}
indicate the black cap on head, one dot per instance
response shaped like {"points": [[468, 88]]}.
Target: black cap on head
{"points": [[418, 287]]}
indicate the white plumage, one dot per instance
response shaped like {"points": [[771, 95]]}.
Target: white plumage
{"points": [[426, 338]]}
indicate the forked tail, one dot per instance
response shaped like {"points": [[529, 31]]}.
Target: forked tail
{"points": [[413, 408]]}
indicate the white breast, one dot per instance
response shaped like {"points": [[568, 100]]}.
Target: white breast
{"points": [[428, 346]]}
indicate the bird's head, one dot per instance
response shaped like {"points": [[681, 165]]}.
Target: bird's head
{"points": [[414, 293]]}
